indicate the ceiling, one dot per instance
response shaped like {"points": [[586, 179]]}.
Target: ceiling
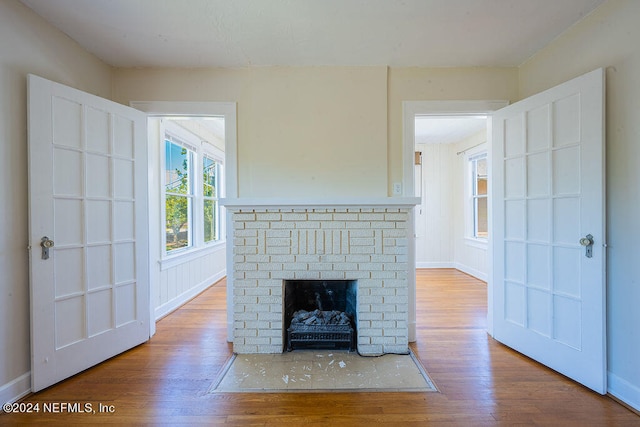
{"points": [[241, 33], [244, 33], [446, 130]]}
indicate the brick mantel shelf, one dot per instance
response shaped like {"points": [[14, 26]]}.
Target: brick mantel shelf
{"points": [[262, 203]]}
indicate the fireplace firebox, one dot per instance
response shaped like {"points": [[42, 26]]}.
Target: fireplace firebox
{"points": [[320, 314]]}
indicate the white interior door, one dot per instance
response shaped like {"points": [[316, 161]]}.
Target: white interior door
{"points": [[548, 194], [88, 196]]}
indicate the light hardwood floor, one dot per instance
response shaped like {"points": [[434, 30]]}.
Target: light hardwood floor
{"points": [[481, 382]]}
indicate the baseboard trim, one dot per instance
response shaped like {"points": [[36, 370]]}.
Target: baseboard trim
{"points": [[171, 306], [465, 269], [435, 265], [471, 272], [623, 391], [16, 389]]}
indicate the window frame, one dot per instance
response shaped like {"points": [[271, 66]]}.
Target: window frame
{"points": [[471, 211], [212, 153]]}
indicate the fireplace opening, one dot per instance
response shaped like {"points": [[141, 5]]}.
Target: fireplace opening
{"points": [[320, 314]]}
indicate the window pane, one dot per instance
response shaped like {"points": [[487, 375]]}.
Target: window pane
{"points": [[482, 186], [481, 176], [210, 220], [481, 217], [209, 177], [176, 168], [177, 226]]}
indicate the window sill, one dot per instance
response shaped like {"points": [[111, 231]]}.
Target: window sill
{"points": [[477, 243], [174, 260]]}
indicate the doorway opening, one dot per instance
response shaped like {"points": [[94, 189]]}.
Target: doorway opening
{"points": [[187, 220], [451, 177], [192, 164], [411, 110]]}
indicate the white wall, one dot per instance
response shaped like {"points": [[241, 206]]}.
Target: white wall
{"points": [[469, 255], [27, 45], [434, 224], [609, 38]]}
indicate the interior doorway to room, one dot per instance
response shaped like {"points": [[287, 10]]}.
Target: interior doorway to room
{"points": [[450, 172], [443, 109], [546, 297], [186, 259]]}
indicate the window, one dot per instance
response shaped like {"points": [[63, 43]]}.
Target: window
{"points": [[178, 194], [191, 200], [478, 167], [212, 171]]}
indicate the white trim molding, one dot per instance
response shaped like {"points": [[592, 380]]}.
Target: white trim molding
{"points": [[204, 109], [16, 389], [411, 109], [623, 390], [471, 271]]}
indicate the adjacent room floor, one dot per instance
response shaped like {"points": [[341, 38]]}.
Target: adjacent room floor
{"points": [[166, 381]]}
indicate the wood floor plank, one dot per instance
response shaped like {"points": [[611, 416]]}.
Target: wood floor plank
{"points": [[481, 382]]}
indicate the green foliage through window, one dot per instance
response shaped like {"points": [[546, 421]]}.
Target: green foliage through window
{"points": [[193, 177], [177, 195]]}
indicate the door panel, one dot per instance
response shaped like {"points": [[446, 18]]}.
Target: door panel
{"points": [[548, 193], [88, 194]]}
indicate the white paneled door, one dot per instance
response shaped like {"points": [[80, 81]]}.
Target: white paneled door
{"points": [[549, 228], [88, 235]]}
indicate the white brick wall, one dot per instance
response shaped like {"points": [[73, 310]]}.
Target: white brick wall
{"points": [[368, 245]]}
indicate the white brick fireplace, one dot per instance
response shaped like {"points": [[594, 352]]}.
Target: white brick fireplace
{"points": [[365, 242]]}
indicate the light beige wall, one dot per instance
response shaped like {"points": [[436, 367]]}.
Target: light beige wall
{"points": [[302, 132], [317, 131], [435, 84], [609, 38], [27, 45]]}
